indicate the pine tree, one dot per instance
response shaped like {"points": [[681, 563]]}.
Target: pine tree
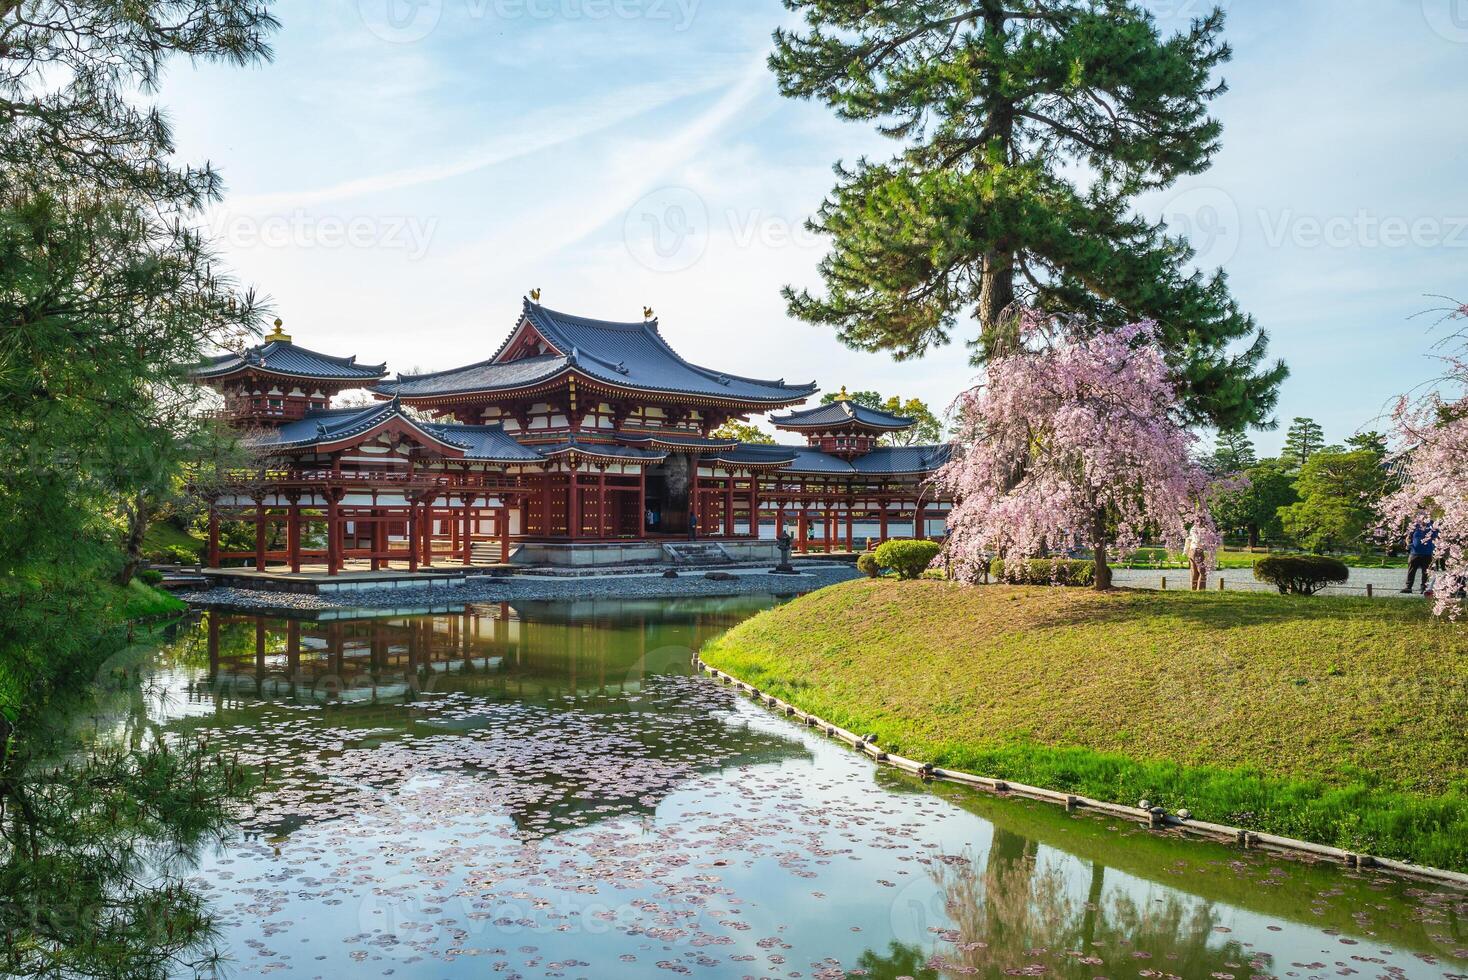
{"points": [[998, 105], [1303, 439], [1233, 452]]}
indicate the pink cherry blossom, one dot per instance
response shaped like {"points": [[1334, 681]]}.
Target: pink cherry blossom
{"points": [[1073, 443], [1432, 457]]}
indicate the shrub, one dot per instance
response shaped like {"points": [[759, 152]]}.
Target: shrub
{"points": [[150, 576], [173, 554], [1045, 571], [867, 562], [1300, 574], [909, 559]]}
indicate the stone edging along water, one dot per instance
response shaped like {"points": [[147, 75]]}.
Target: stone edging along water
{"points": [[1154, 817]]}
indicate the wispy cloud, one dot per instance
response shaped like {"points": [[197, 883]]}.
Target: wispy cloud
{"points": [[516, 139]]}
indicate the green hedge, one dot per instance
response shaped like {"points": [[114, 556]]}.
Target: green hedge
{"points": [[909, 559], [1300, 574], [1045, 571], [867, 563]]}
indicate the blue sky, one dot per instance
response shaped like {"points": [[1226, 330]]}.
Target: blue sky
{"points": [[406, 170]]}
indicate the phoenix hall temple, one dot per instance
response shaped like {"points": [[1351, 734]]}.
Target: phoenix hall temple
{"points": [[578, 442]]}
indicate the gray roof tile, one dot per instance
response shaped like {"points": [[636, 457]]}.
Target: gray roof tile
{"points": [[284, 357], [839, 414]]}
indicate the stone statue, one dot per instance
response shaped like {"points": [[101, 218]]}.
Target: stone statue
{"points": [[784, 568]]}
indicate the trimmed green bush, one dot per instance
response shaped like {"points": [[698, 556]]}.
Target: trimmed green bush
{"points": [[150, 576], [909, 559], [1045, 571], [867, 562], [1300, 574]]}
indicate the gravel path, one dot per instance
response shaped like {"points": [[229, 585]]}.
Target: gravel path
{"points": [[1384, 581], [813, 575]]}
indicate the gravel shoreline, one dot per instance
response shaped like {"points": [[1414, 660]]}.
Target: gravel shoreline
{"points": [[529, 588]]}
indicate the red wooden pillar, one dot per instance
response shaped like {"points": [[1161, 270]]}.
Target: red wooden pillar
{"points": [[850, 515], [259, 534], [753, 505], [333, 532], [213, 534], [293, 532], [802, 526], [882, 528], [414, 517], [695, 503], [378, 538], [919, 523], [428, 526], [468, 535], [601, 502], [641, 501], [729, 506], [504, 529], [779, 519], [573, 504]]}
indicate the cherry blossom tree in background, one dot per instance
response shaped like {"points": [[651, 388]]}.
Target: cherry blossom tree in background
{"points": [[1072, 441], [1432, 457]]}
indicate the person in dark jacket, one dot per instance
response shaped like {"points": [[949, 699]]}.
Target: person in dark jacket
{"points": [[1421, 544]]}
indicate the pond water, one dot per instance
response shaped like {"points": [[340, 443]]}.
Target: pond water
{"points": [[547, 790]]}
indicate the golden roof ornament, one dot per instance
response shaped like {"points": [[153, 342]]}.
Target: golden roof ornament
{"points": [[842, 396], [647, 312], [535, 295], [278, 334]]}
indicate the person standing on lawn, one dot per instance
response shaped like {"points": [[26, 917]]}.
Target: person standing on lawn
{"points": [[1197, 553], [1421, 544]]}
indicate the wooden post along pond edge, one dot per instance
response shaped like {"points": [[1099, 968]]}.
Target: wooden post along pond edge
{"points": [[1153, 817]]}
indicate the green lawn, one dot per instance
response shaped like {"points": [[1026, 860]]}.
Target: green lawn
{"points": [[1334, 719]]}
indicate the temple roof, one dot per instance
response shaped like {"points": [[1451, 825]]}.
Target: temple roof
{"points": [[600, 450], [840, 414], [805, 461], [488, 442], [678, 441], [477, 442], [277, 355], [623, 355]]}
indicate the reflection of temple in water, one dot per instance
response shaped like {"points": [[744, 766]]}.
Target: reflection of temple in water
{"points": [[580, 649], [612, 720]]}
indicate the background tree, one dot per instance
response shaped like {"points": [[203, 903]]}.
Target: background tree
{"points": [[1303, 439], [744, 432], [1338, 494], [999, 106], [1370, 441], [926, 431], [1233, 452], [1252, 510], [1073, 443]]}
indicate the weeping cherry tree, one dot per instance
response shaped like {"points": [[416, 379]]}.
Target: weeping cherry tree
{"points": [[1432, 457], [1072, 440]]}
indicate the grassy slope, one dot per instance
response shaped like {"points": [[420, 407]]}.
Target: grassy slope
{"points": [[139, 599], [164, 534], [1338, 720]]}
